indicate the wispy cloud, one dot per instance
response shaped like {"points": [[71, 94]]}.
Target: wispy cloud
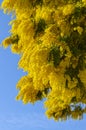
{"points": [[36, 121], [33, 120]]}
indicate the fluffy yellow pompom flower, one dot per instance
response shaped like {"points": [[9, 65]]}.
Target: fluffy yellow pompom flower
{"points": [[7, 42], [68, 9]]}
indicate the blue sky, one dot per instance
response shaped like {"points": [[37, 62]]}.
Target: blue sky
{"points": [[14, 115]]}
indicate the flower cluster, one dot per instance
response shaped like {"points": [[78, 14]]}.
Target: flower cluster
{"points": [[50, 37]]}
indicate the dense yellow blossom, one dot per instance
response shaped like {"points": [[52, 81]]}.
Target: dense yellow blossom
{"points": [[7, 42], [50, 37], [68, 9]]}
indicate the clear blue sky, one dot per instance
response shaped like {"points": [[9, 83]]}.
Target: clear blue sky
{"points": [[14, 115]]}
